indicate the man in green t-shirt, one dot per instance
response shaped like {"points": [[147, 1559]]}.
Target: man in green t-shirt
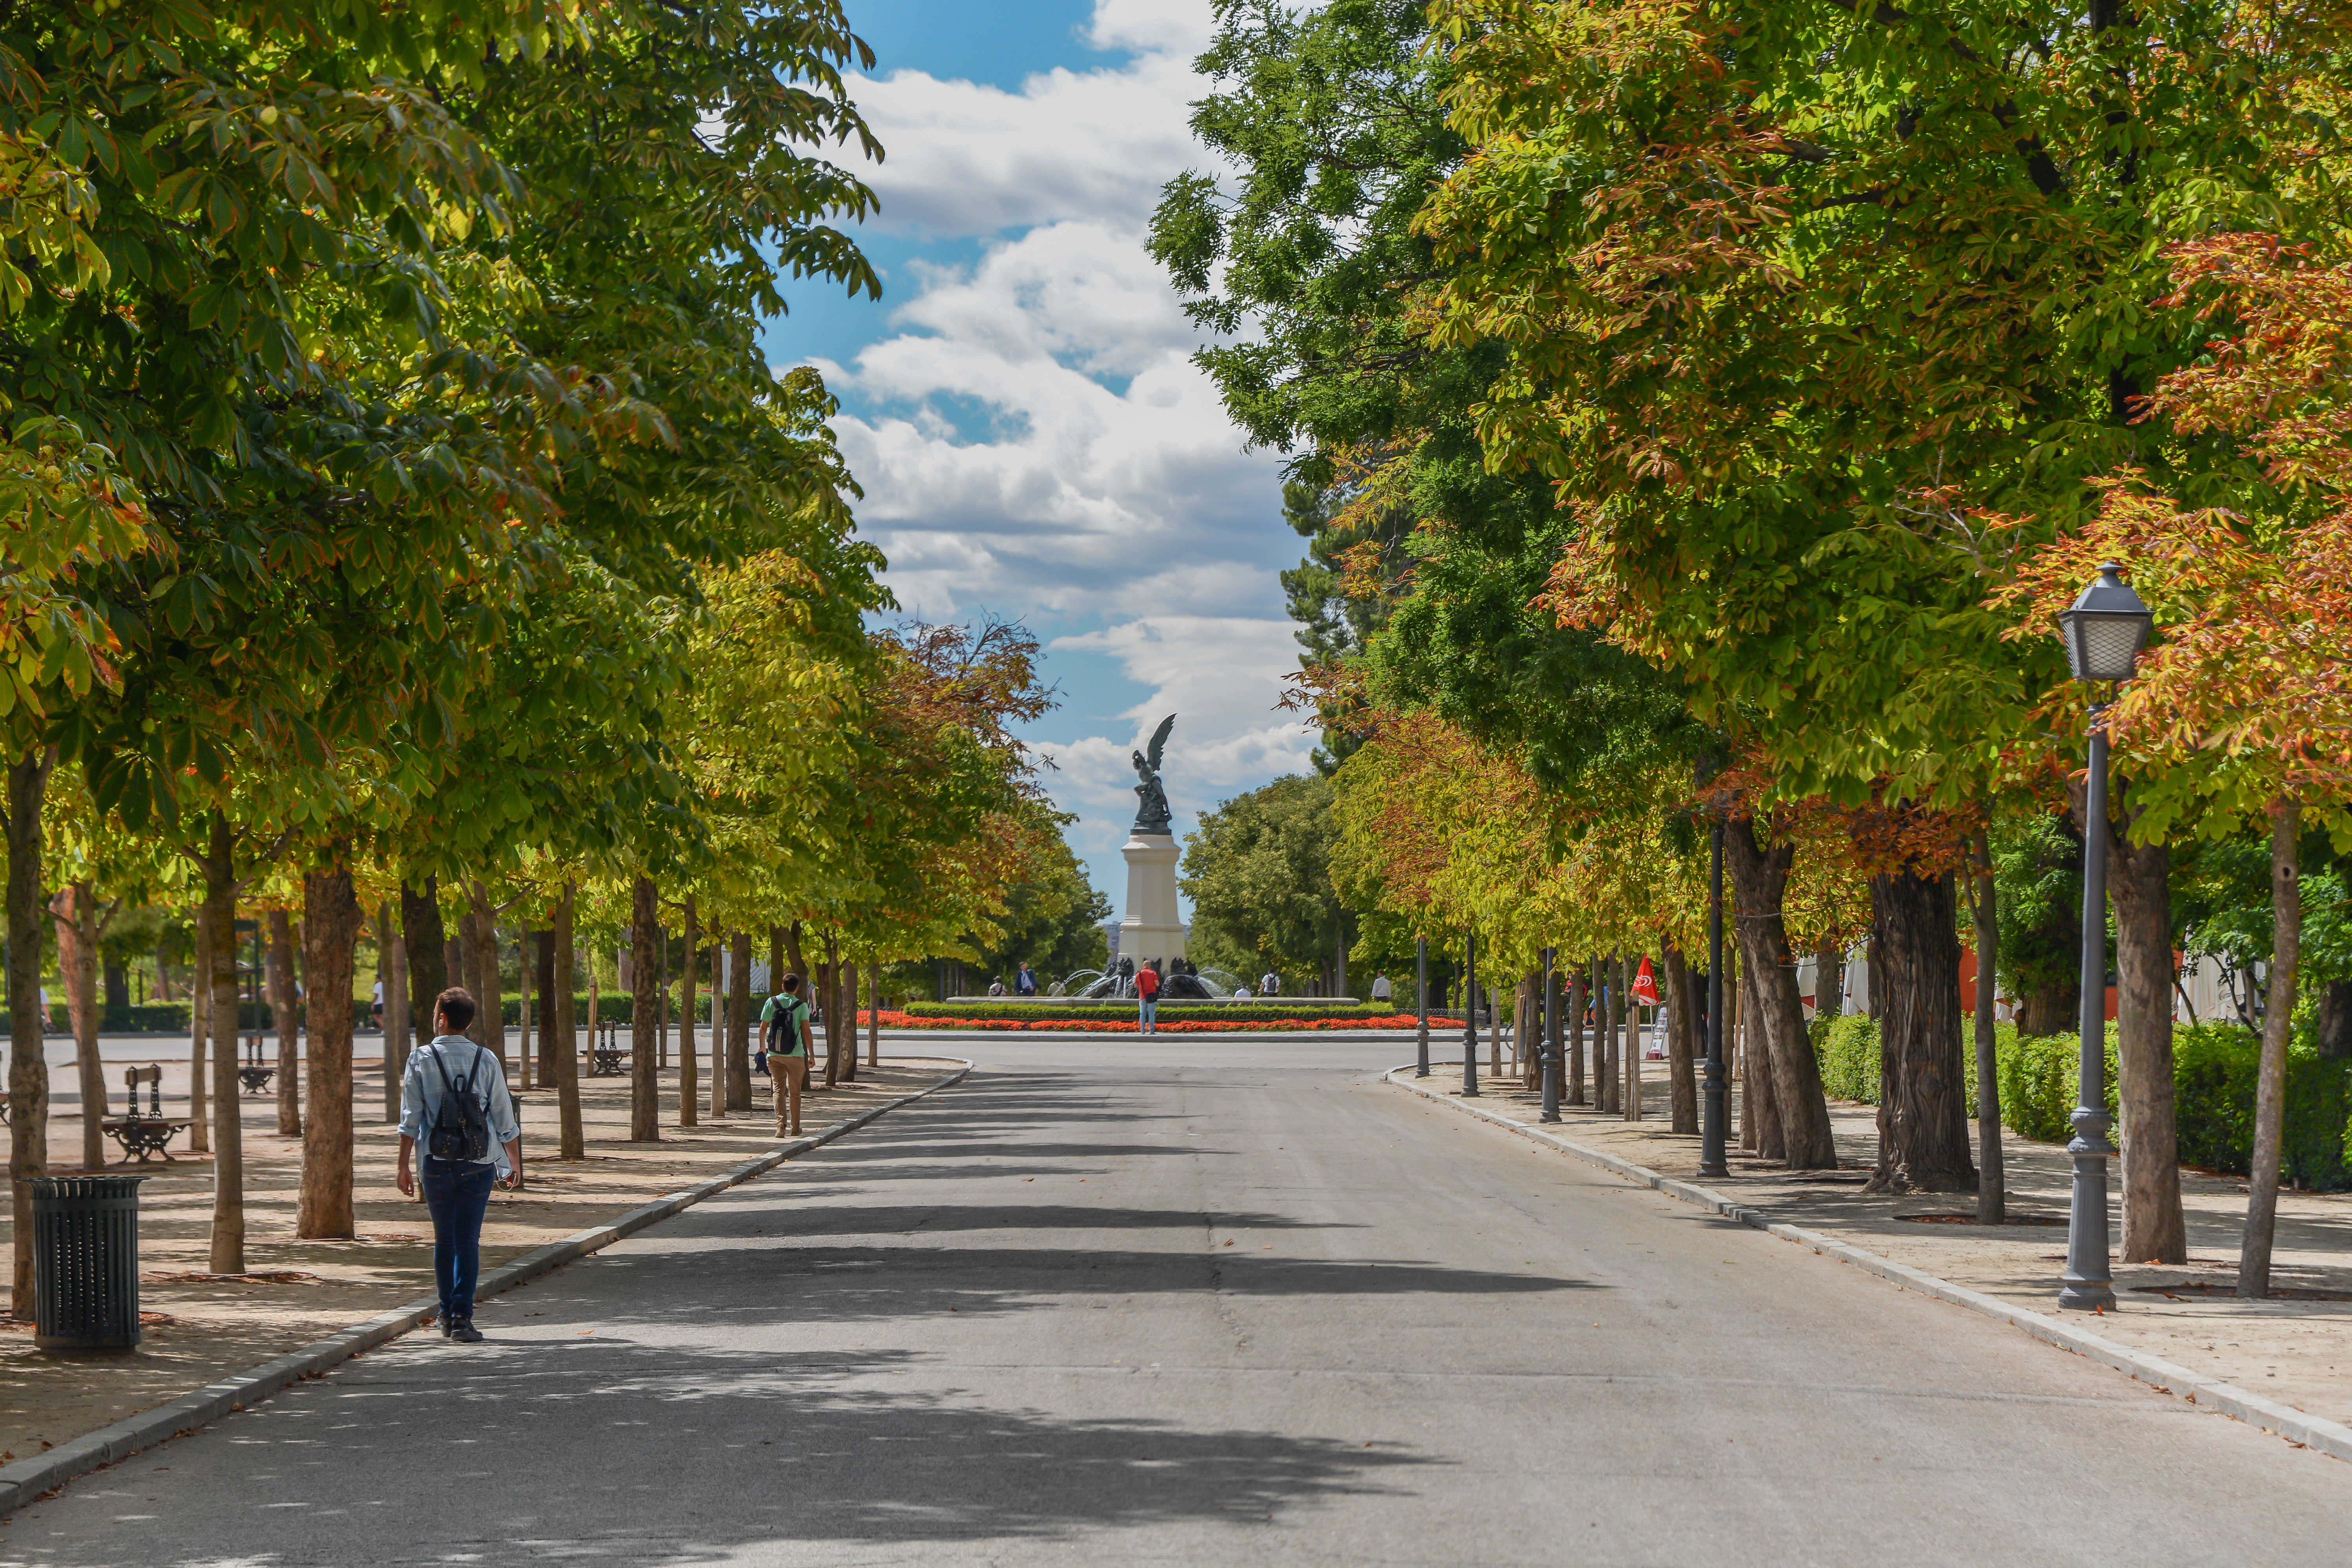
{"points": [[784, 1022]]}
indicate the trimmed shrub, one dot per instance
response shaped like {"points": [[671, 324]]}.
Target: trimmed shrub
{"points": [[2216, 1067], [1168, 1012], [1848, 1048]]}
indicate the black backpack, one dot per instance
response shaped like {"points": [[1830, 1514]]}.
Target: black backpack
{"points": [[460, 1132]]}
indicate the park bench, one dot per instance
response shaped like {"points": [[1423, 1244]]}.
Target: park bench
{"points": [[253, 1070], [611, 1059], [148, 1134]]}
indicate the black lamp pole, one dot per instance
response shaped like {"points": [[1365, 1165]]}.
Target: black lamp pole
{"points": [[1469, 1015], [1421, 973], [1712, 1119], [2105, 629]]}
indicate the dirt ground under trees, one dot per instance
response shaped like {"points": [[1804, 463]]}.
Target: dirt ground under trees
{"points": [[200, 1327]]}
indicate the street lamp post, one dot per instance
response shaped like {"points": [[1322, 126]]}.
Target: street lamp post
{"points": [[1421, 973], [1469, 1015], [2105, 630], [1550, 1040], [1712, 1117]]}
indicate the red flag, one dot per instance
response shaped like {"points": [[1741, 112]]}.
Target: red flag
{"points": [[1645, 989]]}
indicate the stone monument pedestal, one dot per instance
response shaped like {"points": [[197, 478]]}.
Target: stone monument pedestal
{"points": [[1153, 928]]}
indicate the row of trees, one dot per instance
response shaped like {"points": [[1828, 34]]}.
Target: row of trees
{"points": [[1701, 415], [404, 526]]}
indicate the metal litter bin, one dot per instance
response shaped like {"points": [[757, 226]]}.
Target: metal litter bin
{"points": [[85, 1262]]}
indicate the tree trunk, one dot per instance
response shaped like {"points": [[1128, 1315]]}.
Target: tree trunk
{"points": [[644, 959], [229, 1135], [873, 1015], [200, 1029], [1922, 1102], [689, 1064], [490, 1012], [526, 1063], [1681, 1020], [29, 1062], [75, 912], [1992, 1183], [827, 977], [1604, 1081], [394, 954], [1577, 1002], [551, 1043], [1829, 982], [661, 993], [330, 929], [2140, 882], [845, 1031], [1799, 1106], [118, 984], [277, 971], [1494, 1036], [455, 965], [2333, 1024], [2278, 1024], [738, 1013], [595, 1005], [428, 959], [571, 1141], [1755, 1069]]}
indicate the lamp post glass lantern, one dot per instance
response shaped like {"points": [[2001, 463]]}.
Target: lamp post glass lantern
{"points": [[2105, 630]]}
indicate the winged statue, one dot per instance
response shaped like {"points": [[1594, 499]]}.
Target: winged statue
{"points": [[1151, 801]]}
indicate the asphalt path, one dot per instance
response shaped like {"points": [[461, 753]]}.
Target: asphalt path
{"points": [[1207, 1301]]}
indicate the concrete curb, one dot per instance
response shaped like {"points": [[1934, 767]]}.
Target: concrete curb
{"points": [[2163, 1376], [28, 1479]]}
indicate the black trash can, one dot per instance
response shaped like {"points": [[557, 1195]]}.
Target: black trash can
{"points": [[86, 1262]]}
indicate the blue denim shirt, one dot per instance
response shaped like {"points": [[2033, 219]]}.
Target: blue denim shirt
{"points": [[420, 1093]]}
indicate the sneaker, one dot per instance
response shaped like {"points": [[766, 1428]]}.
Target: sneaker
{"points": [[464, 1332]]}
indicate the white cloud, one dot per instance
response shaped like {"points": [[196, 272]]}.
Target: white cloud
{"points": [[1032, 435], [964, 157], [1224, 678], [1080, 495]]}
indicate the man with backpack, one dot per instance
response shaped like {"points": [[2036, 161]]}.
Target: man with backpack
{"points": [[454, 1101], [786, 1017]]}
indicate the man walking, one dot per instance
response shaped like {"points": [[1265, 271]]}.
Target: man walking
{"points": [[1147, 997], [786, 1018], [1024, 983], [1380, 991], [453, 1099]]}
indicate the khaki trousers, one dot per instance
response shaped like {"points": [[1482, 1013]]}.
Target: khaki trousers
{"points": [[790, 1073]]}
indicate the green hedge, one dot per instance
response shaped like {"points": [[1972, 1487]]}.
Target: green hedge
{"points": [[1244, 1013], [2213, 1074]]}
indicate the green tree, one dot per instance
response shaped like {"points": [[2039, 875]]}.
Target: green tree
{"points": [[1258, 871]]}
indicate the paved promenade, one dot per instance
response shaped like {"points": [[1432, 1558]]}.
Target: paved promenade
{"points": [[1114, 1301]]}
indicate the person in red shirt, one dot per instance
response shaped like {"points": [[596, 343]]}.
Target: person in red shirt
{"points": [[1147, 997]]}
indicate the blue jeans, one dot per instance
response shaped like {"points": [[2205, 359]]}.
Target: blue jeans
{"points": [[1147, 1013], [458, 1195]]}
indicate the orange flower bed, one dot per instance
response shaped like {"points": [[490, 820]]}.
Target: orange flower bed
{"points": [[894, 1019]]}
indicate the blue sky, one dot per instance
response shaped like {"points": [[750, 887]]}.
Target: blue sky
{"points": [[1020, 407]]}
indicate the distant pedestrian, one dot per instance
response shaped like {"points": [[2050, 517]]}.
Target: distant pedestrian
{"points": [[1380, 991], [789, 1046], [1269, 983], [454, 1100], [1146, 999], [996, 987], [375, 1007], [1024, 983]]}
